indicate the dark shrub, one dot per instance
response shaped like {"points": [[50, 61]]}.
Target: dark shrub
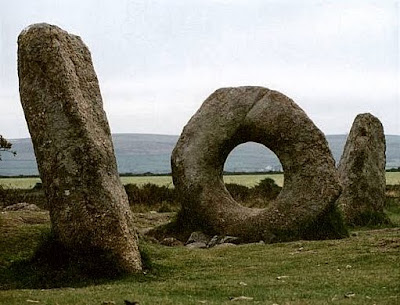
{"points": [[258, 196], [238, 192], [13, 196], [266, 189], [133, 192], [149, 194], [371, 219], [38, 186]]}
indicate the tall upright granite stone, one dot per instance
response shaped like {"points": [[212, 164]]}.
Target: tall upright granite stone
{"points": [[362, 172], [306, 206], [61, 99]]}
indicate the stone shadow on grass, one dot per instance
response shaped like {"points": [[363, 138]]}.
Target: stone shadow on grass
{"points": [[54, 266]]}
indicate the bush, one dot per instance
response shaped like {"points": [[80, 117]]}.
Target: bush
{"points": [[238, 192], [13, 196], [256, 197], [149, 194], [266, 189]]}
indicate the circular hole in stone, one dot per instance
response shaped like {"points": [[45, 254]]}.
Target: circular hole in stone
{"points": [[253, 175]]}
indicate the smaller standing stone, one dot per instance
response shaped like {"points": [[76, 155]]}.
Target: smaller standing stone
{"points": [[362, 173]]}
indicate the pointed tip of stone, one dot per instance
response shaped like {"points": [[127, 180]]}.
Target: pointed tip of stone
{"points": [[41, 25], [32, 26], [365, 114], [44, 27], [365, 119]]}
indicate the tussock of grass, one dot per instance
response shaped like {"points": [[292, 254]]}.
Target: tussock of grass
{"points": [[33, 258], [329, 226], [371, 220], [52, 265]]}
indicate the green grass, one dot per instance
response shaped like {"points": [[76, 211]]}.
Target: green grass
{"points": [[392, 178], [302, 272], [392, 210]]}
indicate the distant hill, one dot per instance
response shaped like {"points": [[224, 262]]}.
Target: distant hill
{"points": [[147, 153]]}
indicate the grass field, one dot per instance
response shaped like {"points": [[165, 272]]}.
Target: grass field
{"points": [[362, 269], [247, 180], [392, 178]]}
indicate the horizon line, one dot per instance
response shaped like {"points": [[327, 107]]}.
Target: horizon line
{"points": [[175, 135]]}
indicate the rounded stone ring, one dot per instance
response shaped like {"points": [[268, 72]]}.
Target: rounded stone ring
{"points": [[305, 207]]}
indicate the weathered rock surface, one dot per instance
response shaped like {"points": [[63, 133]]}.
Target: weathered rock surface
{"points": [[305, 208], [196, 245], [229, 240], [61, 99], [362, 172], [198, 236], [219, 240], [225, 245], [201, 240]]}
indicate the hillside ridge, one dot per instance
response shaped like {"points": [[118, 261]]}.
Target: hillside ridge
{"points": [[150, 153]]}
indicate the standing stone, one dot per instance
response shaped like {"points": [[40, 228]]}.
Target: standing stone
{"points": [[362, 172], [61, 99], [306, 206]]}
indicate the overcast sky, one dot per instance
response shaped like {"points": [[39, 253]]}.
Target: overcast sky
{"points": [[157, 61]]}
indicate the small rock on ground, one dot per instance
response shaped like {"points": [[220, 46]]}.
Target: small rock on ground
{"points": [[198, 236], [225, 245], [242, 298], [196, 245]]}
